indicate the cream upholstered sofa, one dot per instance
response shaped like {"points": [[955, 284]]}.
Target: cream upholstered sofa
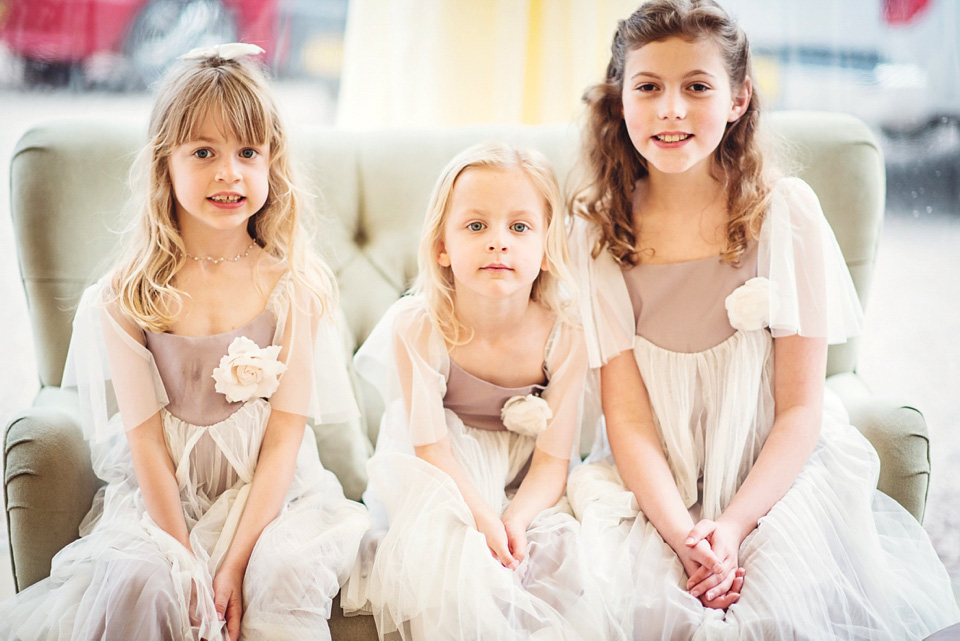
{"points": [[67, 192]]}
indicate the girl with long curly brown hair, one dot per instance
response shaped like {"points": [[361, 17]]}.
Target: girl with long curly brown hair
{"points": [[730, 497]]}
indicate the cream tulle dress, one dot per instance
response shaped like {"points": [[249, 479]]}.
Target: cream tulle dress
{"points": [[431, 575], [125, 578], [834, 558]]}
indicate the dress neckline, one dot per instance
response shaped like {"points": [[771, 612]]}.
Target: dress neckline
{"points": [[551, 337], [487, 383], [266, 308], [693, 261], [679, 262]]}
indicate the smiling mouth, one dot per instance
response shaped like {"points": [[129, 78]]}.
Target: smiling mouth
{"points": [[672, 137], [234, 198]]}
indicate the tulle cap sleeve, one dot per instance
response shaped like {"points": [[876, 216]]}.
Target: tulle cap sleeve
{"points": [[405, 358], [605, 308], [115, 375], [566, 359], [799, 254], [316, 383]]}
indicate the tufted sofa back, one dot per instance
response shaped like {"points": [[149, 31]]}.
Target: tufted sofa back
{"points": [[68, 188]]}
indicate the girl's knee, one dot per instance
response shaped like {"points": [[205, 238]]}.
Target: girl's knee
{"points": [[136, 599], [142, 583]]}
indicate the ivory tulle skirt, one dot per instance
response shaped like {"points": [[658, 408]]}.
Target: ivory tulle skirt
{"points": [[833, 559], [125, 578], [431, 575]]}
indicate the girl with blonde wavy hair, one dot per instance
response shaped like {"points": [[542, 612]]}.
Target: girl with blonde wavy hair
{"points": [[730, 497], [436, 281], [481, 370], [194, 359]]}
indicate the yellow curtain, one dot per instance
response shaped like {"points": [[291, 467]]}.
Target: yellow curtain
{"points": [[462, 62]]}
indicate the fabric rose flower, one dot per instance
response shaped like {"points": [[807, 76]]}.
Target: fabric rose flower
{"points": [[751, 305], [526, 415], [248, 371]]}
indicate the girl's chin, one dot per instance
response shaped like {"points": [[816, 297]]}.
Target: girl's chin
{"points": [[675, 167]]}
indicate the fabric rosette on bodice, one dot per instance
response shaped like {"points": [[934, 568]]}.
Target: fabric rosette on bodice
{"points": [[248, 371], [751, 306], [526, 415]]}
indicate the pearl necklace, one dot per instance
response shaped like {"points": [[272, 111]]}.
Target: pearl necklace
{"points": [[217, 261]]}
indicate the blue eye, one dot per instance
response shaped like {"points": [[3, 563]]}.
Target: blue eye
{"points": [[475, 226], [519, 227], [202, 154], [248, 153]]}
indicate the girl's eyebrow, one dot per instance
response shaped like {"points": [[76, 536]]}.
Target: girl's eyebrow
{"points": [[214, 141], [511, 212], [689, 74]]}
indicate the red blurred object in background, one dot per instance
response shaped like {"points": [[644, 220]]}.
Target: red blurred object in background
{"points": [[150, 33], [901, 12]]}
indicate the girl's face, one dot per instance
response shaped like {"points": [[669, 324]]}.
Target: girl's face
{"points": [[494, 233], [218, 183], [677, 101]]}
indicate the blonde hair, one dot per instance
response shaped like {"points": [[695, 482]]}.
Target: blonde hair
{"points": [[435, 282], [609, 162], [236, 91]]}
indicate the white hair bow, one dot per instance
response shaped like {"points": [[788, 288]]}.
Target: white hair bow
{"points": [[229, 51]]}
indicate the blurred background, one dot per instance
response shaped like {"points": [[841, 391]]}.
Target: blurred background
{"points": [[373, 63]]}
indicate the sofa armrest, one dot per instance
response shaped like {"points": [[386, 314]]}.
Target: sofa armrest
{"points": [[49, 486], [899, 435]]}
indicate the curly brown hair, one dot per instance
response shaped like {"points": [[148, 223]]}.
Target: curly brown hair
{"points": [[610, 164]]}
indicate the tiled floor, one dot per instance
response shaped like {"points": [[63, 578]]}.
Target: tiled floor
{"points": [[911, 349]]}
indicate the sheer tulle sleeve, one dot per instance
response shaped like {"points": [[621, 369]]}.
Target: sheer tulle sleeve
{"points": [[113, 372], [567, 369], [800, 255], [605, 308], [316, 383], [406, 360]]}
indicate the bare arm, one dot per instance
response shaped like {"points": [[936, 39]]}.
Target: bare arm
{"points": [[157, 478], [799, 372], [440, 455], [643, 465], [133, 385], [799, 367], [540, 489], [271, 480], [637, 450], [486, 517]]}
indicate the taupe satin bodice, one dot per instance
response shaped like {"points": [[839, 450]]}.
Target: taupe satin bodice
{"points": [[477, 402], [186, 365], [665, 297]]}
